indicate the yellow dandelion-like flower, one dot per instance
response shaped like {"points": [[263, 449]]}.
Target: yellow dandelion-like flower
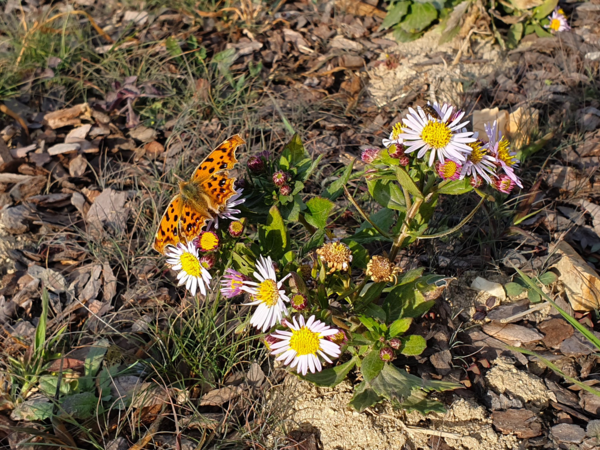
{"points": [[381, 269], [336, 255]]}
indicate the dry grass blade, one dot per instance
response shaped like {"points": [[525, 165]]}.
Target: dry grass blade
{"points": [[6, 110]]}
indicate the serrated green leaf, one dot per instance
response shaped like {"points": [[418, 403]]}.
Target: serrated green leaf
{"points": [[331, 377], [457, 187], [513, 289], [406, 181], [319, 209], [400, 326], [335, 189], [421, 15], [173, 47], [371, 366], [395, 14], [364, 397], [413, 345], [387, 193]]}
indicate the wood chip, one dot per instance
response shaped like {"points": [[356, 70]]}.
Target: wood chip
{"points": [[10, 178], [555, 331], [59, 149], [78, 166], [512, 334], [68, 117], [522, 422]]}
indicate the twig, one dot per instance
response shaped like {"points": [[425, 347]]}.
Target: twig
{"points": [[364, 215], [524, 313]]}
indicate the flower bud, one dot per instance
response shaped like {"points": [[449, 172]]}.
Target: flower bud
{"points": [[299, 302], [404, 161], [256, 164], [476, 182], [340, 338], [285, 190], [208, 241], [236, 228], [369, 155], [504, 184], [395, 343], [208, 261], [386, 354], [240, 183], [280, 178], [396, 150], [270, 340]]}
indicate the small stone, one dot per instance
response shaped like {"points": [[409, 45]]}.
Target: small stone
{"points": [[512, 334], [492, 288], [59, 149], [442, 362], [522, 422], [556, 331], [567, 432], [352, 61]]}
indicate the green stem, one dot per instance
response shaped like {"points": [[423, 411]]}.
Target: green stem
{"points": [[364, 215], [457, 227], [404, 233], [359, 288]]}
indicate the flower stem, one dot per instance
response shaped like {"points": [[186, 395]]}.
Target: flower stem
{"points": [[404, 232], [364, 215]]}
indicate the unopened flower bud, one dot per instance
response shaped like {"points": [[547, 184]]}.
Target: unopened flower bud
{"points": [[403, 160], [208, 241], [256, 165], [208, 260], [285, 190], [369, 155], [280, 178], [476, 182], [386, 354], [299, 302], [396, 150], [395, 343], [236, 228]]}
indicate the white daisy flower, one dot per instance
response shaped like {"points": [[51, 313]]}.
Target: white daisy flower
{"points": [[479, 163], [184, 258], [394, 136], [267, 294], [442, 135], [302, 346], [499, 148], [229, 212], [558, 21]]}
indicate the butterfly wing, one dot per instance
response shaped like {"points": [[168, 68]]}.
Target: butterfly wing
{"points": [[221, 158], [168, 230], [191, 222], [219, 188]]}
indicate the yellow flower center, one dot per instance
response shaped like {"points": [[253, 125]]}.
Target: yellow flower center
{"points": [[397, 130], [477, 154], [268, 293], [190, 264], [436, 134], [209, 241], [305, 341], [555, 24], [237, 227], [560, 11], [504, 153], [449, 169], [235, 284]]}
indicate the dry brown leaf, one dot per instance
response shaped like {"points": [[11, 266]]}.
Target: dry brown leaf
{"points": [[220, 396], [483, 116]]}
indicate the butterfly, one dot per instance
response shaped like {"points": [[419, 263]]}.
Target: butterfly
{"points": [[200, 199]]}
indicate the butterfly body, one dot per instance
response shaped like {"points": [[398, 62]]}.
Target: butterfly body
{"points": [[200, 199]]}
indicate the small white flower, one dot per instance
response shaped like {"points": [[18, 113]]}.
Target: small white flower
{"points": [[394, 136], [558, 21], [229, 212], [479, 163], [302, 346], [184, 258], [499, 148], [267, 294], [442, 135]]}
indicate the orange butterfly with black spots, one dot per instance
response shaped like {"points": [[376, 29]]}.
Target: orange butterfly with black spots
{"points": [[200, 199]]}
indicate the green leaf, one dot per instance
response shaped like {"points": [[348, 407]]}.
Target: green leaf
{"points": [[418, 401], [40, 331], [34, 409], [92, 364], [457, 187], [294, 151], [224, 60], [387, 193], [413, 345], [360, 255], [395, 14], [364, 397], [545, 9], [173, 47], [395, 384], [547, 278], [81, 406], [375, 311], [369, 322], [371, 366], [48, 385], [420, 17], [273, 236], [403, 36], [372, 293], [359, 339], [306, 170], [541, 32], [315, 241], [335, 189], [319, 209], [533, 296], [291, 211], [383, 218], [411, 275], [513, 289], [406, 181], [331, 377], [515, 33], [400, 326]]}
